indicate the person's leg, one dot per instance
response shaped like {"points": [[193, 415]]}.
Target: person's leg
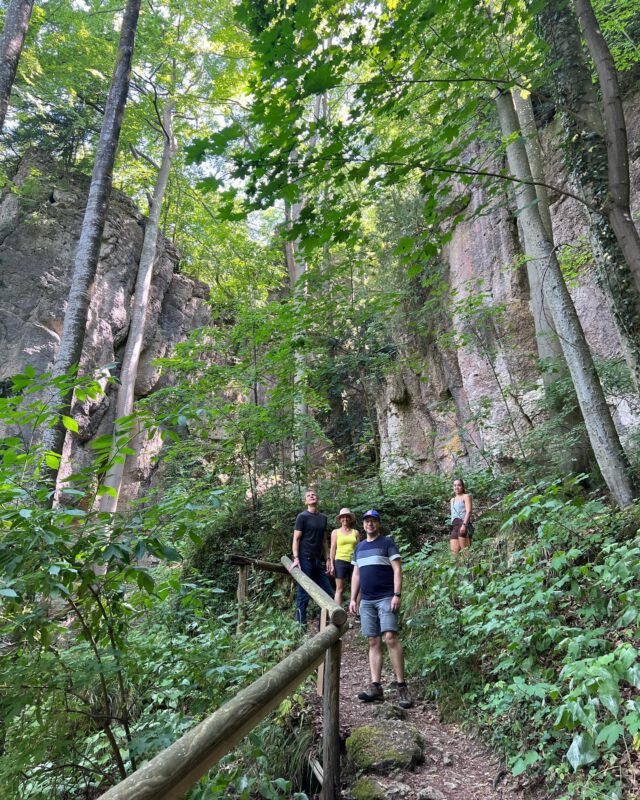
{"points": [[396, 654], [454, 536], [375, 658], [339, 590], [322, 579], [302, 598], [464, 542], [371, 629], [302, 601]]}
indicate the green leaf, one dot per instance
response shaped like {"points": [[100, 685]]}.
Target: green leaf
{"points": [[633, 675], [8, 593], [609, 697], [610, 734], [52, 460], [524, 762], [318, 81], [70, 424], [582, 751]]}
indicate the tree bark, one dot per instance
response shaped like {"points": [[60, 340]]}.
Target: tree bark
{"points": [[585, 156], [16, 24], [595, 411], [547, 341], [88, 249], [133, 349], [618, 206]]}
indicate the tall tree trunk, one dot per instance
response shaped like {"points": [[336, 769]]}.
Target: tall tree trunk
{"points": [[133, 349], [549, 348], [597, 417], [618, 205], [88, 250], [296, 268], [16, 24], [585, 155]]}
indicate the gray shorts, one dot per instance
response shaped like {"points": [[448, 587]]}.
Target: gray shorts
{"points": [[376, 617]]}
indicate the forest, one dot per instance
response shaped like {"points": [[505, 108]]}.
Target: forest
{"points": [[367, 247]]}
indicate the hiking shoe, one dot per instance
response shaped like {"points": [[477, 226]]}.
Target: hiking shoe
{"points": [[374, 695], [404, 698]]}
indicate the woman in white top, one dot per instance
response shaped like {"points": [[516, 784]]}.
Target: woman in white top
{"points": [[461, 527]]}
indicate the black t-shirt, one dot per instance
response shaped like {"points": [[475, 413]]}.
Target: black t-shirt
{"points": [[313, 527]]}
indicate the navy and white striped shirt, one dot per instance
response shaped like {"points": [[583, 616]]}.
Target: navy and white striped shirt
{"points": [[374, 561]]}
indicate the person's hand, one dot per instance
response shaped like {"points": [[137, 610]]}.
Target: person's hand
{"points": [[353, 607], [463, 527], [294, 563], [395, 603], [330, 567]]}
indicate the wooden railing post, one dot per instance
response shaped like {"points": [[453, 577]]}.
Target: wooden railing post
{"points": [[331, 724], [324, 619], [243, 591]]}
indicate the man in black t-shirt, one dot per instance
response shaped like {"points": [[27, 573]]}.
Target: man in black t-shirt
{"points": [[310, 551]]}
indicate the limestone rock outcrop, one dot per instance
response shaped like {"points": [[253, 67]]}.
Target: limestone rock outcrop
{"points": [[448, 406], [40, 222]]}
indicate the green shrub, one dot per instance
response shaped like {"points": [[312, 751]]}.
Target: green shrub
{"points": [[535, 636]]}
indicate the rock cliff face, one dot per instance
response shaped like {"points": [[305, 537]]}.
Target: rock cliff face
{"points": [[490, 383], [39, 227]]}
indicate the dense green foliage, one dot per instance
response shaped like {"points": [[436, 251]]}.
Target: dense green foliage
{"points": [[534, 638], [375, 121]]}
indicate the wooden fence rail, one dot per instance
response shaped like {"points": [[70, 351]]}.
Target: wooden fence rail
{"points": [[175, 770]]}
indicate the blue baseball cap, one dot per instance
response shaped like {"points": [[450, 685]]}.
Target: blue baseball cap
{"points": [[372, 513]]}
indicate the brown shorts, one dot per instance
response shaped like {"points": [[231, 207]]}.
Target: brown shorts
{"points": [[455, 530]]}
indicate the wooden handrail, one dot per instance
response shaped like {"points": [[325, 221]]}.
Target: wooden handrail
{"points": [[175, 770], [267, 566], [337, 614]]}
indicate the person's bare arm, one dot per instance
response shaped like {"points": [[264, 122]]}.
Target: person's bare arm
{"points": [[355, 590], [295, 548], [397, 583], [332, 554], [467, 516]]}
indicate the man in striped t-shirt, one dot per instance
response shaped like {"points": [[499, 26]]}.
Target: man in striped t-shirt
{"points": [[377, 584]]}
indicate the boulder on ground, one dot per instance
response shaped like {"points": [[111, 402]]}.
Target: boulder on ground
{"points": [[381, 748]]}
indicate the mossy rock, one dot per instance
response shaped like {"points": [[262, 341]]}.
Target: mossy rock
{"points": [[367, 788], [380, 748]]}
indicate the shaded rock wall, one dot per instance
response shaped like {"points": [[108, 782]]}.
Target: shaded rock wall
{"points": [[460, 406], [39, 226]]}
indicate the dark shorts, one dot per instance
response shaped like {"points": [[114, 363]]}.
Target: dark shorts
{"points": [[455, 530], [343, 569]]}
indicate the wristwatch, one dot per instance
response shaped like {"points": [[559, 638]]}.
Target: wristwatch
{"points": [[397, 594]]}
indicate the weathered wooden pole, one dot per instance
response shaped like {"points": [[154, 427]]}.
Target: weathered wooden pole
{"points": [[337, 614], [324, 617], [331, 724], [175, 770], [266, 566], [243, 590]]}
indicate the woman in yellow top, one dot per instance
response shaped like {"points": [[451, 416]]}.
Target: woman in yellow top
{"points": [[343, 542]]}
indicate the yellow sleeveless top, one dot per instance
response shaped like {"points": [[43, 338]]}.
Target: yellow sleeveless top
{"points": [[346, 544]]}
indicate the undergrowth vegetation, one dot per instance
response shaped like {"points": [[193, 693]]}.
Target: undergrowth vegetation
{"points": [[535, 637]]}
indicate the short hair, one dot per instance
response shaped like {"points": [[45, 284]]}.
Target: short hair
{"points": [[464, 488]]}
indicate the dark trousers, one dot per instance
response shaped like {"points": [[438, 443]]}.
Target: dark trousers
{"points": [[314, 568]]}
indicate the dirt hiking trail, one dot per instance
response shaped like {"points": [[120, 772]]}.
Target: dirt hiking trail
{"points": [[411, 755]]}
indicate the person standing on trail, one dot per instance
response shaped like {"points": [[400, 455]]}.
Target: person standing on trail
{"points": [[461, 526], [377, 581], [310, 551], [343, 543]]}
